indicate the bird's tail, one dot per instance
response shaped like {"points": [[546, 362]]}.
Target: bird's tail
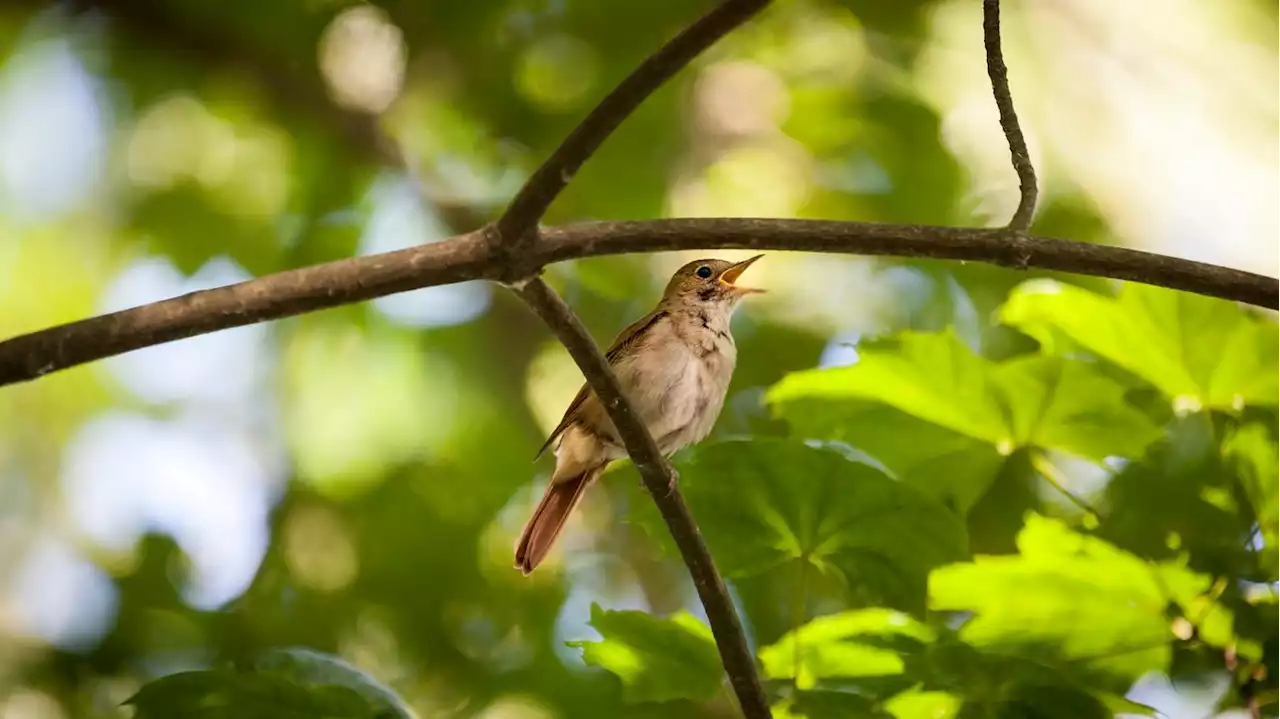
{"points": [[548, 519]]}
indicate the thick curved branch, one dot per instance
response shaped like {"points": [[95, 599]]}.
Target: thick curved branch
{"points": [[542, 188], [660, 479], [1008, 118], [469, 257]]}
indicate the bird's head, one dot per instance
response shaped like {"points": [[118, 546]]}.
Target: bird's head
{"points": [[709, 282]]}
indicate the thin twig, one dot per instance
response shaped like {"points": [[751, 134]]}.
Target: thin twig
{"points": [[469, 257], [659, 478], [1008, 118], [542, 188]]}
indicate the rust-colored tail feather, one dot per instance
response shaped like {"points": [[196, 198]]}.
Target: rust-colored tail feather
{"points": [[548, 519]]}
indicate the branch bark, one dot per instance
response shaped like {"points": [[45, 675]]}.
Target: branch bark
{"points": [[470, 257], [999, 75], [660, 479], [517, 231]]}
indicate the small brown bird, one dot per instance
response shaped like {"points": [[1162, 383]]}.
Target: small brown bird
{"points": [[674, 364]]}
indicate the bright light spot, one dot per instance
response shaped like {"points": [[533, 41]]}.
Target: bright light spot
{"points": [[516, 707], [319, 550], [740, 98], [224, 368], [245, 166], [52, 130], [557, 72], [176, 139], [552, 381], [207, 487], [398, 403], [841, 351], [400, 219], [61, 597], [362, 58], [1005, 447], [31, 704], [1040, 286], [770, 178], [1185, 404]]}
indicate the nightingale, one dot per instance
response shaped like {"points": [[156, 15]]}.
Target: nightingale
{"points": [[674, 364]]}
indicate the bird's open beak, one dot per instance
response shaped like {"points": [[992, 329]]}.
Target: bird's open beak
{"points": [[732, 272]]}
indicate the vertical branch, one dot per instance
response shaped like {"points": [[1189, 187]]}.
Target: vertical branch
{"points": [[1008, 117]]}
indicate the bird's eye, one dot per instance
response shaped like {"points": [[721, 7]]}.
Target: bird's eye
{"points": [[704, 272]]}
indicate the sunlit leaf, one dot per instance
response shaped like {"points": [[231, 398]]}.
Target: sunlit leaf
{"points": [[1070, 597], [850, 644], [965, 412], [955, 468], [1070, 406], [1197, 350], [917, 704], [657, 659]]}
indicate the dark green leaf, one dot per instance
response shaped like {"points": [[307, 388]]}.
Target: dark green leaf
{"points": [[1255, 461], [766, 504], [297, 683], [656, 659]]}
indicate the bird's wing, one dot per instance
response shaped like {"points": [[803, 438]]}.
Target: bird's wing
{"points": [[625, 339]]}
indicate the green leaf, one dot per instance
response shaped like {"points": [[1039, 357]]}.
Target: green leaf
{"points": [[843, 645], [917, 704], [1070, 406], [766, 504], [948, 465], [965, 413], [296, 683], [1255, 458], [1072, 598], [827, 704], [1197, 350], [656, 659], [931, 376]]}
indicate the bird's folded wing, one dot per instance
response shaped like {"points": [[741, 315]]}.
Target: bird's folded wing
{"points": [[627, 338]]}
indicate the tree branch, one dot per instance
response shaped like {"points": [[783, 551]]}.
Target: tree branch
{"points": [[660, 479], [542, 188], [1008, 118], [516, 232], [469, 257]]}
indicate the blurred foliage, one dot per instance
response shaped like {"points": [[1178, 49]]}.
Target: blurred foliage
{"points": [[936, 490]]}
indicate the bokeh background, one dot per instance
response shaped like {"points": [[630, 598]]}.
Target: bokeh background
{"points": [[353, 480]]}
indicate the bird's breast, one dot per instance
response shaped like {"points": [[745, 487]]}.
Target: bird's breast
{"points": [[678, 384]]}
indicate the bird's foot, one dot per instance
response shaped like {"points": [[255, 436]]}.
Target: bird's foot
{"points": [[672, 479]]}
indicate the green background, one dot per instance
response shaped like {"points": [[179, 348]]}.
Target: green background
{"points": [[936, 489]]}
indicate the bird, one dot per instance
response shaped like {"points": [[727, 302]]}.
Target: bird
{"points": [[674, 364]]}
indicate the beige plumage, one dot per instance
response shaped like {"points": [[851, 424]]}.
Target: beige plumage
{"points": [[674, 363]]}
